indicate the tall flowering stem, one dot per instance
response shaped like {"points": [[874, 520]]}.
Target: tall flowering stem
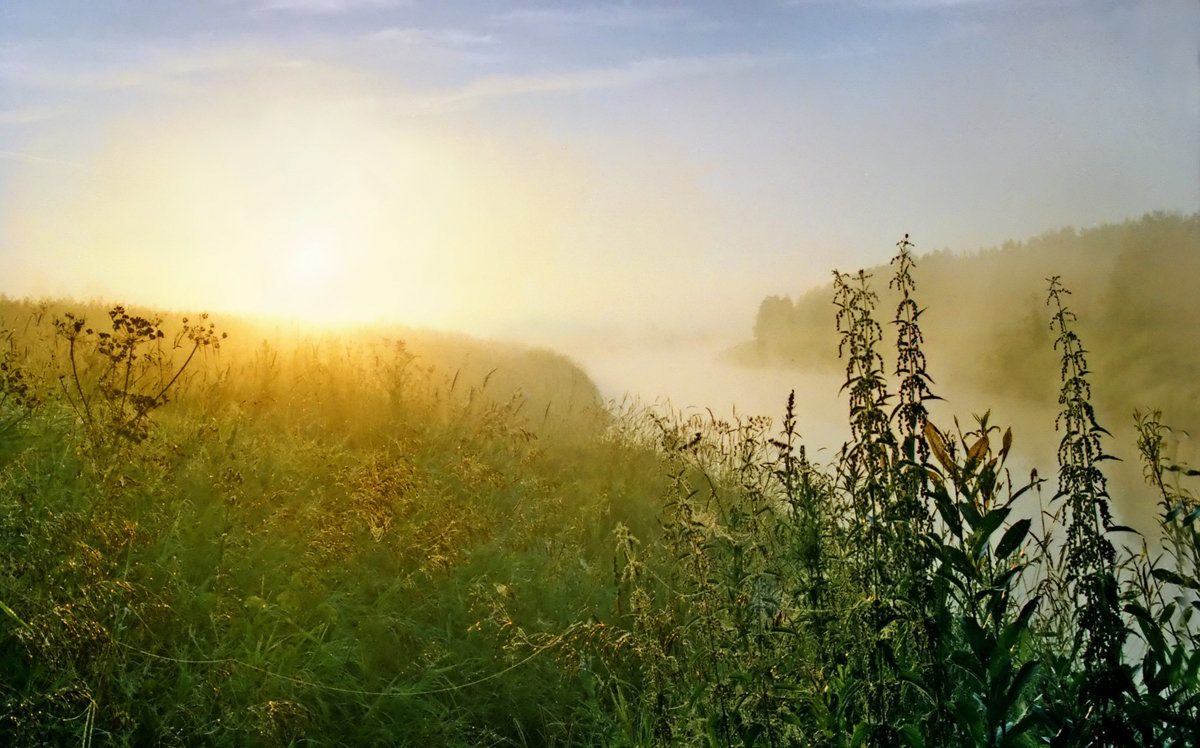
{"points": [[911, 414], [1090, 558]]}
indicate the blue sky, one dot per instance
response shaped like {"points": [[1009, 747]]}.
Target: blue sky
{"points": [[528, 168]]}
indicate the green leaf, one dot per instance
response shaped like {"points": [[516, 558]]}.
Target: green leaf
{"points": [[970, 514], [1166, 575], [977, 638], [948, 510], [1012, 632], [1150, 629], [987, 524], [1034, 718], [1192, 674], [1003, 581], [999, 668], [859, 738], [11, 614], [1138, 611], [968, 710], [1021, 680], [750, 734], [1014, 538], [971, 667], [913, 736]]}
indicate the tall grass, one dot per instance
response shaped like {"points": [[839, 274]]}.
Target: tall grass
{"points": [[325, 543], [217, 541]]}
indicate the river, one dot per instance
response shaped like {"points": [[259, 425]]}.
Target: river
{"points": [[691, 377]]}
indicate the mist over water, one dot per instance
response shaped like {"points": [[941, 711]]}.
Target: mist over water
{"points": [[691, 377]]}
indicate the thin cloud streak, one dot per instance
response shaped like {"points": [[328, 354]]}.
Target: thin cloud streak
{"points": [[29, 158], [636, 74], [325, 7], [27, 116], [893, 4], [159, 69], [418, 36], [594, 16]]}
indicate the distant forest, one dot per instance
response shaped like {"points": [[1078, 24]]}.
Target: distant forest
{"points": [[985, 321]]}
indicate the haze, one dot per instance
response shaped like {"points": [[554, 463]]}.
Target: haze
{"points": [[540, 170]]}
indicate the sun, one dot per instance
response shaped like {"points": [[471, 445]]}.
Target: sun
{"points": [[311, 261], [310, 275]]}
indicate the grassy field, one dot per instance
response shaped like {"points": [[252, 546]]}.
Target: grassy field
{"points": [[378, 539]]}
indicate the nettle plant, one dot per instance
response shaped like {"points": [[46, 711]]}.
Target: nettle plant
{"points": [[117, 378]]}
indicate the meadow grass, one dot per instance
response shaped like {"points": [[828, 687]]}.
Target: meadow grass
{"points": [[301, 545], [372, 540]]}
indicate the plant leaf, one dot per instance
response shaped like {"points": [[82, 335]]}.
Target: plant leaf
{"points": [[937, 443], [913, 736], [978, 449], [1014, 538]]}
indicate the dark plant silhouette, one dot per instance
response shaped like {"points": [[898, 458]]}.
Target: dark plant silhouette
{"points": [[118, 378]]}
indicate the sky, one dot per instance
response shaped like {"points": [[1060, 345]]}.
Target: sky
{"points": [[533, 170]]}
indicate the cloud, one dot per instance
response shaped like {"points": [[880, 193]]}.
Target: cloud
{"points": [[325, 7], [892, 4], [29, 158], [430, 37], [925, 4], [638, 73], [155, 68], [602, 16], [26, 116]]}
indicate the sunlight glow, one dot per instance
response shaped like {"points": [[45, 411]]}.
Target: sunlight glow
{"points": [[311, 260], [301, 209]]}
